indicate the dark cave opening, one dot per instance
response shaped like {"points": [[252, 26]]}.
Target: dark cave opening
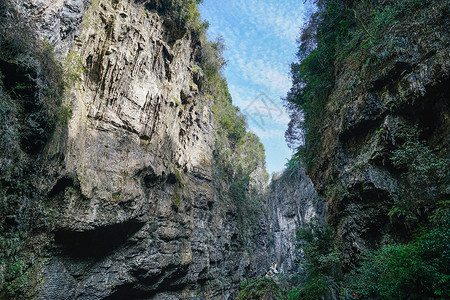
{"points": [[98, 242]]}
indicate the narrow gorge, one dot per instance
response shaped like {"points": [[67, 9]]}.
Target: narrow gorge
{"points": [[128, 173]]}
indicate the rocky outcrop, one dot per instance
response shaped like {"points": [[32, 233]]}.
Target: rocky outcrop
{"points": [[130, 177], [291, 202], [394, 96]]}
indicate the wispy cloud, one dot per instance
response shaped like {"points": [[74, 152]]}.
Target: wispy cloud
{"points": [[261, 43], [259, 107], [276, 17]]}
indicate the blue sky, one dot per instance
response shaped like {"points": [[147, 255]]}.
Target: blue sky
{"points": [[260, 38]]}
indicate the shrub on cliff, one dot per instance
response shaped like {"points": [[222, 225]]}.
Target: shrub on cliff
{"points": [[419, 269], [416, 270], [263, 288], [183, 14], [212, 63], [425, 174], [319, 262]]}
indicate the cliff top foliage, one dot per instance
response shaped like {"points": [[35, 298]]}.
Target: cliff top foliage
{"points": [[183, 14]]}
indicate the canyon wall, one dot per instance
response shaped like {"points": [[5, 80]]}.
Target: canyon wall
{"points": [[383, 154], [127, 177], [126, 171]]}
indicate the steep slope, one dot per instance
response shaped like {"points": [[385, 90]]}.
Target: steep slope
{"points": [[373, 83], [138, 178], [394, 97]]}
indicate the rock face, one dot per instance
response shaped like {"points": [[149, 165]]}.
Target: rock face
{"points": [[395, 97], [58, 21], [292, 202], [132, 175]]}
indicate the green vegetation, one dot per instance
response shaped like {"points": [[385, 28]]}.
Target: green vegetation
{"points": [[21, 273], [320, 262], [248, 205], [313, 77], [419, 269], [176, 198], [425, 174], [184, 14], [178, 188], [211, 63], [262, 288], [238, 154], [340, 35], [177, 175], [416, 269], [187, 12], [341, 46]]}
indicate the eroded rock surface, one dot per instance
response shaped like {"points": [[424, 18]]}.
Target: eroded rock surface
{"points": [[56, 21]]}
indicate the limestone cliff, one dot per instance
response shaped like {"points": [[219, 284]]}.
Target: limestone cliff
{"points": [[127, 178]]}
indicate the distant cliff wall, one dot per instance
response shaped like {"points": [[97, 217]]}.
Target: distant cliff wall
{"points": [[291, 202]]}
